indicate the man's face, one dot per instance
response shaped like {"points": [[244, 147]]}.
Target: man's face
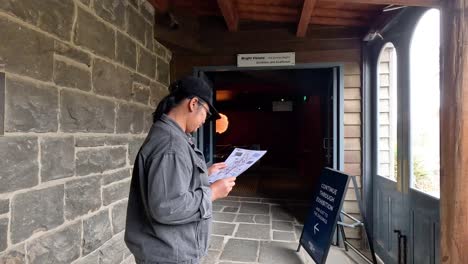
{"points": [[198, 115]]}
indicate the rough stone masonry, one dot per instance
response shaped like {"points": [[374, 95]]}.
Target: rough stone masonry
{"points": [[79, 80]]}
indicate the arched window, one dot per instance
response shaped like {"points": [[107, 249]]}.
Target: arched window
{"points": [[425, 102], [387, 111]]}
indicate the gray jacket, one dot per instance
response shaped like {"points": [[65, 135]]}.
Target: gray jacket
{"points": [[169, 207]]}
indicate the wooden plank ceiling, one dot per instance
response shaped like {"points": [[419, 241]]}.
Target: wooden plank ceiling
{"points": [[302, 13]]}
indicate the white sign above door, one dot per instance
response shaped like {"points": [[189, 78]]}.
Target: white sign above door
{"points": [[266, 59]]}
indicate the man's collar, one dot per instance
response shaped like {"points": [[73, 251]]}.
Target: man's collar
{"points": [[171, 122]]}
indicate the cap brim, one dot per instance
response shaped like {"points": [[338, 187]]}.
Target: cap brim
{"points": [[214, 113]]}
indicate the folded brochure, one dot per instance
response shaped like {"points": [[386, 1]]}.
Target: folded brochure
{"points": [[238, 162]]}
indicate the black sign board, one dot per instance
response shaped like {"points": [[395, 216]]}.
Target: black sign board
{"points": [[321, 220]]}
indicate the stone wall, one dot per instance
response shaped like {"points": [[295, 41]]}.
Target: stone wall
{"points": [[79, 80]]}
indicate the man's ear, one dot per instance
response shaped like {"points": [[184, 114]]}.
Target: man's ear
{"points": [[192, 104]]}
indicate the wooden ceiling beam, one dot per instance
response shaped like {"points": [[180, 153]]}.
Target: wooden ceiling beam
{"points": [[267, 17], [425, 3], [335, 21], [327, 12], [290, 3], [306, 14], [230, 14], [268, 9]]}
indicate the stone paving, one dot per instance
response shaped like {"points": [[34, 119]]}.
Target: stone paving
{"points": [[260, 230]]}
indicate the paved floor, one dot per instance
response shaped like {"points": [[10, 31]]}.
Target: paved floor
{"points": [[258, 230]]}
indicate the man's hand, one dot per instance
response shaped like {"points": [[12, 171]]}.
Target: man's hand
{"points": [[221, 188], [216, 167]]}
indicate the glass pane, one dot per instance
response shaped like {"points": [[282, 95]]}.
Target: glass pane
{"points": [[425, 98], [387, 110]]}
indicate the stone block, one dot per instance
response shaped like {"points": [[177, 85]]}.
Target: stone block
{"points": [[115, 192], [134, 145], [57, 158], [85, 113], [3, 234], [30, 107], [217, 208], [15, 255], [129, 119], [285, 236], [136, 25], [112, 11], [281, 213], [159, 49], [157, 93], [119, 214], [211, 257], [38, 13], [146, 63], [99, 160], [254, 208], [140, 93], [116, 176], [96, 231], [282, 225], [43, 208], [223, 217], [25, 52], [279, 252], [148, 120], [70, 52], [227, 203], [112, 251], [73, 75], [62, 246], [163, 71], [86, 2], [94, 35], [4, 206], [147, 10], [253, 231], [134, 3], [141, 79], [229, 209], [82, 196], [90, 141], [18, 160], [241, 250], [117, 140], [216, 242], [244, 218], [262, 219], [112, 80], [223, 229], [92, 258], [126, 51], [149, 36]]}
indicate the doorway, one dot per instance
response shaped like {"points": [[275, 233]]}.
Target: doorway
{"points": [[293, 113]]}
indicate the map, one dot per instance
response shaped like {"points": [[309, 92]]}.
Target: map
{"points": [[238, 162]]}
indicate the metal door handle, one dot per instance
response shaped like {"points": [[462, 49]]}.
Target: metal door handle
{"points": [[404, 248], [398, 232]]}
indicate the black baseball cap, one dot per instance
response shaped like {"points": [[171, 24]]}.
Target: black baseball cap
{"points": [[195, 86]]}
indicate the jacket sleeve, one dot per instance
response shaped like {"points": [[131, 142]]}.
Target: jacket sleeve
{"points": [[170, 199]]}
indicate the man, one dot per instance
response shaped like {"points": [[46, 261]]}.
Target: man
{"points": [[170, 203]]}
